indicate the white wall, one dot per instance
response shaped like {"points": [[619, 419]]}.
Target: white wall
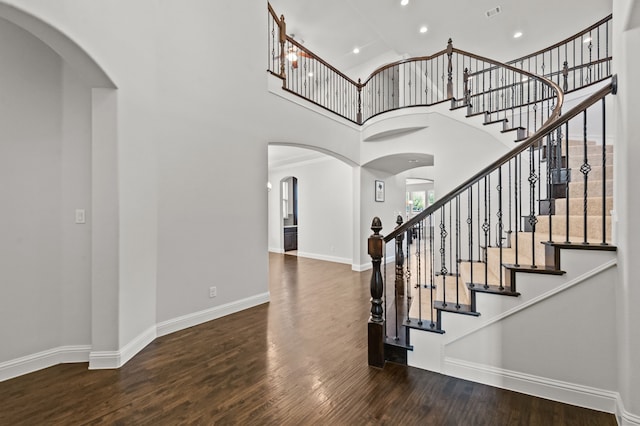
{"points": [[325, 208], [627, 204], [45, 167]]}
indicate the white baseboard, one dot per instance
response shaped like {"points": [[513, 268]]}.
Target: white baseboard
{"points": [[556, 390], [101, 360], [190, 320], [624, 417], [276, 250], [366, 266], [324, 257], [38, 361]]}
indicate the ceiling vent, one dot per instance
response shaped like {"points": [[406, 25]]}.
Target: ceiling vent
{"points": [[493, 12]]}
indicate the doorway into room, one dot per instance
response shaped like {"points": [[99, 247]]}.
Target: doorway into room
{"points": [[289, 202]]}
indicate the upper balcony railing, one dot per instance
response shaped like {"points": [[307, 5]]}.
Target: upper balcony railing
{"points": [[513, 93]]}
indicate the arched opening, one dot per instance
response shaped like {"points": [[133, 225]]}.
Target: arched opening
{"points": [[323, 219], [61, 203]]}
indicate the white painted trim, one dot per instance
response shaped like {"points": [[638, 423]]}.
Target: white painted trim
{"points": [[324, 257], [538, 299], [276, 250], [101, 360], [624, 417], [556, 390], [366, 266], [38, 361], [195, 318]]}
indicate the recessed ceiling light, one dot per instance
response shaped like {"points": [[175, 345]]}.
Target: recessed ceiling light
{"points": [[414, 160], [310, 74], [356, 50], [423, 29], [586, 40], [517, 34], [404, 2]]}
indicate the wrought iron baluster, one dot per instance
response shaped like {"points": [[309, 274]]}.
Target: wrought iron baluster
{"points": [[499, 215], [585, 168], [533, 220], [443, 262], [604, 173]]}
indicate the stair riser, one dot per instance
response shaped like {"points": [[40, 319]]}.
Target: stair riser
{"points": [[592, 150], [594, 189], [576, 227], [594, 160], [576, 206]]}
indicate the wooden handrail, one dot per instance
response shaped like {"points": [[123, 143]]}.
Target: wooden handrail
{"points": [[322, 61], [567, 40], [553, 123]]}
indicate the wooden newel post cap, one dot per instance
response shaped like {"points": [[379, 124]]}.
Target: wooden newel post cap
{"points": [[376, 240]]}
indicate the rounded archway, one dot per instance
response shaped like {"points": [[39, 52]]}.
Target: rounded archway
{"points": [[60, 150]]}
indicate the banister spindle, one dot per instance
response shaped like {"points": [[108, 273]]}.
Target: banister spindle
{"points": [[565, 76], [376, 323], [399, 282], [449, 69], [283, 38], [359, 114]]}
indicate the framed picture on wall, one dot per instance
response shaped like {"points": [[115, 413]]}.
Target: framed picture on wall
{"points": [[379, 190]]}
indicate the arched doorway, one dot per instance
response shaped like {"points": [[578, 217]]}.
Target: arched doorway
{"points": [[289, 198]]}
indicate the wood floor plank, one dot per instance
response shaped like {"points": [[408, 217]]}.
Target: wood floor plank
{"points": [[299, 360]]}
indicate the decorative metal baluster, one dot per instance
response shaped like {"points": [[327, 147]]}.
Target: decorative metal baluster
{"points": [[499, 215], [565, 75], [585, 168], [399, 281], [408, 271], [457, 252], [419, 270], [518, 211], [470, 226], [510, 230], [604, 173], [443, 261], [449, 69], [533, 220], [450, 244], [431, 271], [551, 168], [485, 228], [566, 188]]}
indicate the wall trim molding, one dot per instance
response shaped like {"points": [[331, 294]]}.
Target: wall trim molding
{"points": [[101, 360], [324, 257], [556, 390], [38, 361], [624, 417], [185, 321]]}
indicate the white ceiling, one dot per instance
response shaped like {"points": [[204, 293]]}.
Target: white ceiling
{"points": [[385, 29]]}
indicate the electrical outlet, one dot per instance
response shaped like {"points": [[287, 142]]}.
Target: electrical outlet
{"points": [[213, 291]]}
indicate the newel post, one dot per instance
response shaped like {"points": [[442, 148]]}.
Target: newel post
{"points": [[283, 38], [399, 261], [376, 321], [359, 115], [449, 69]]}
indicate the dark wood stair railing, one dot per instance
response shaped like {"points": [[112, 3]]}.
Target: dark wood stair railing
{"points": [[579, 220], [502, 92]]}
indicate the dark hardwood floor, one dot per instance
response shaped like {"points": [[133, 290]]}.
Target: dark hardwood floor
{"points": [[299, 360]]}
